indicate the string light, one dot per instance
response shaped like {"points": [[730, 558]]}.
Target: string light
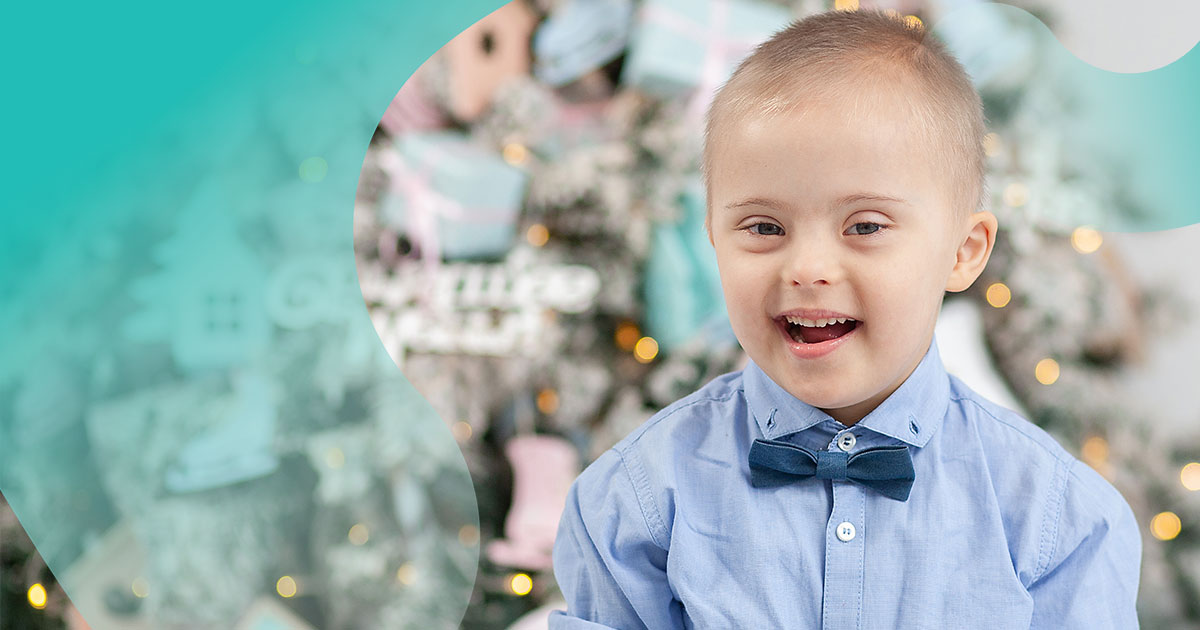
{"points": [[1190, 476], [1086, 239], [406, 574], [37, 596], [998, 295], [537, 235], [1165, 525], [1046, 372], [645, 349], [520, 584], [335, 458], [547, 401], [913, 22], [627, 336], [286, 587], [468, 535], [358, 534], [461, 430], [845, 5], [140, 587]]}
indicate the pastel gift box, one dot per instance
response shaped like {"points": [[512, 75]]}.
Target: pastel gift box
{"points": [[453, 197], [681, 282], [579, 37], [679, 45]]}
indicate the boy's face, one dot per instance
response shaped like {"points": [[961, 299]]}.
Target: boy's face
{"points": [[818, 211]]}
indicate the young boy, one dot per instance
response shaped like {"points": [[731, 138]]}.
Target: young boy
{"points": [[844, 479]]}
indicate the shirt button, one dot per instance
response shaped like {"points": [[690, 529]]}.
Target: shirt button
{"points": [[846, 441], [845, 531]]}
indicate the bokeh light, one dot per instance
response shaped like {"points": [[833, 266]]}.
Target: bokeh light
{"points": [[286, 586], [313, 170], [992, 144], [1046, 372], [645, 350], [1165, 525], [998, 295], [627, 336], [1016, 194], [1095, 450], [407, 574], [37, 596], [520, 584], [547, 401], [461, 430], [1086, 239], [468, 535], [358, 534], [537, 235], [515, 154], [1189, 476]]}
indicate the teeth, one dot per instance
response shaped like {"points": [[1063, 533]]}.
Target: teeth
{"points": [[817, 323]]}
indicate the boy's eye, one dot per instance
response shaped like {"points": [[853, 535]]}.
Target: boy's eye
{"points": [[877, 227], [766, 229]]}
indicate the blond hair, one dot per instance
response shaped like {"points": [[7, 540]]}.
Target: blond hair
{"points": [[829, 54]]}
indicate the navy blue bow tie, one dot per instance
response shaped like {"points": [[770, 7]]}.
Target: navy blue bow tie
{"points": [[885, 469]]}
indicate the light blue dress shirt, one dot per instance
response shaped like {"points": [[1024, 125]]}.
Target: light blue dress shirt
{"points": [[1003, 527]]}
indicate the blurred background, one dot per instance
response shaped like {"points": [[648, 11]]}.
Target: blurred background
{"points": [[528, 234]]}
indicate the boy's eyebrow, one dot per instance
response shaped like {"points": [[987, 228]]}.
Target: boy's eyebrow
{"points": [[849, 199], [842, 201]]}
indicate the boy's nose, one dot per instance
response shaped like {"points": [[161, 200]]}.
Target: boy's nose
{"points": [[812, 263]]}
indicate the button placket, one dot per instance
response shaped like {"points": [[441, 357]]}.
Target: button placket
{"points": [[844, 557]]}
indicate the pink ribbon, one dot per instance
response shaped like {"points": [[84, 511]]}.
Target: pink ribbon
{"points": [[423, 204]]}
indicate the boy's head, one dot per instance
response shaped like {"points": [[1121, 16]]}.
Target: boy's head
{"points": [[844, 168]]}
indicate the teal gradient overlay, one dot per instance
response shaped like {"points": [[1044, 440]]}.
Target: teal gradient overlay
{"points": [[184, 341], [1134, 134]]}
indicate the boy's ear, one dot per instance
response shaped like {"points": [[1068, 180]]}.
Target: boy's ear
{"points": [[974, 251]]}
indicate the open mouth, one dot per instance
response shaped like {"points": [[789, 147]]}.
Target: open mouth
{"points": [[817, 331]]}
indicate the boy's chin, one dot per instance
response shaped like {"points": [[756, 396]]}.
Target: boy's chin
{"points": [[833, 395]]}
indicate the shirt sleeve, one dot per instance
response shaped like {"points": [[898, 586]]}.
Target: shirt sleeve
{"points": [[609, 563], [1095, 556]]}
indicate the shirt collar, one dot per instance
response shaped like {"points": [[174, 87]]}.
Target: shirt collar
{"points": [[912, 414]]}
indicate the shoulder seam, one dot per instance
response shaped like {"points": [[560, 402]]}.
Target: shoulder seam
{"points": [[1049, 544], [641, 488], [637, 474]]}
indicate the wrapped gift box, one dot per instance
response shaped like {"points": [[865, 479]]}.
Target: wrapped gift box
{"points": [[454, 198], [682, 284], [678, 46], [579, 37]]}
